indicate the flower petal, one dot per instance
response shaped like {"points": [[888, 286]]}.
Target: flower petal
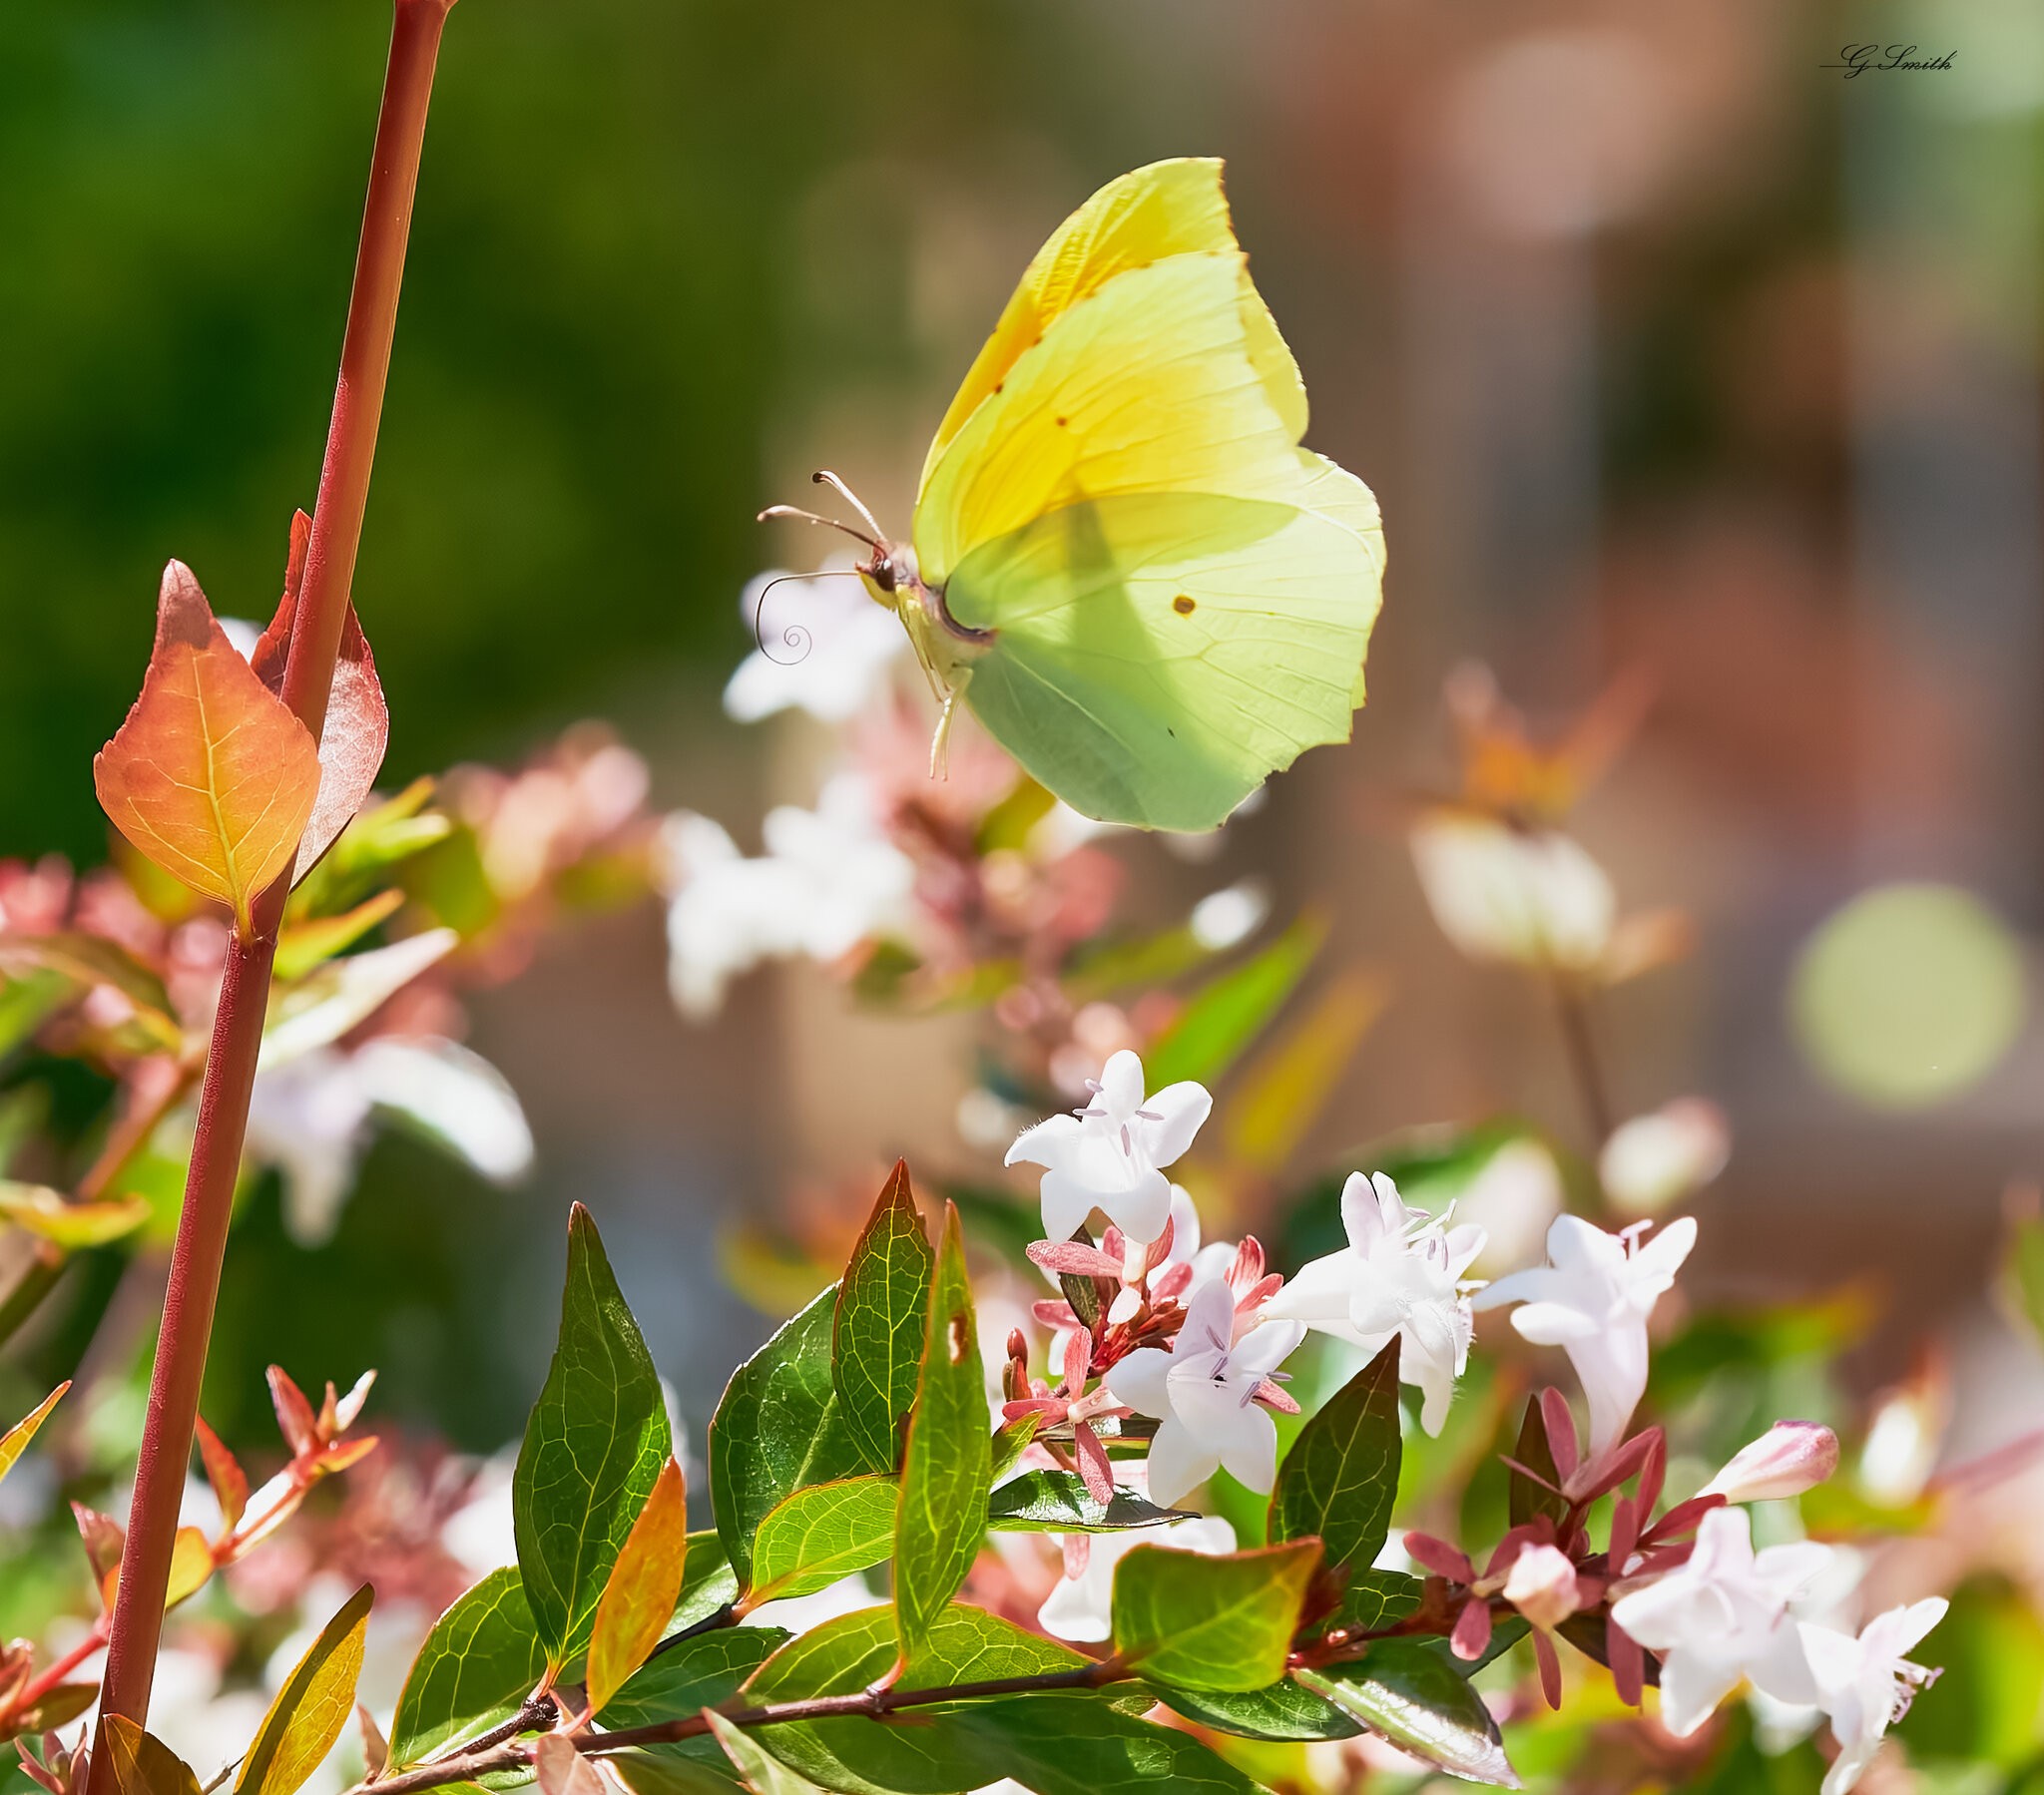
{"points": [[1179, 1464], [1181, 1110]]}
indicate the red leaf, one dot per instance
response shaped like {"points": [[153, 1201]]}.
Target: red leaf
{"points": [[230, 1481], [1472, 1631], [357, 728], [294, 1418], [209, 777], [1071, 1256], [1094, 1470]]}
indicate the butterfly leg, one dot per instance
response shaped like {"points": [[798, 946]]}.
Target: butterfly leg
{"points": [[941, 742]]}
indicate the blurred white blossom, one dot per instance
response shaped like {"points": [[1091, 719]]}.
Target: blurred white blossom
{"points": [[1531, 897], [1661, 1158], [312, 1117], [827, 647], [829, 879]]}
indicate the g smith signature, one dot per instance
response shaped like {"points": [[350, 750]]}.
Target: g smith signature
{"points": [[1858, 59]]}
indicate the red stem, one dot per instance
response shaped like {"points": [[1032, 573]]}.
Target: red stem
{"points": [[244, 991]]}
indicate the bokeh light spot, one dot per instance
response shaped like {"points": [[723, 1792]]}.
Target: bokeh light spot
{"points": [[1909, 995]]}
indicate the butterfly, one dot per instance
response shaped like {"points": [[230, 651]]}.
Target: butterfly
{"points": [[1121, 558]]}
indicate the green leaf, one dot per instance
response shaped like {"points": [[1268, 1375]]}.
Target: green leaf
{"points": [[312, 1708], [319, 1009], [56, 1707], [592, 1450], [878, 1331], [1526, 1498], [821, 1533], [946, 1471], [767, 1776], [479, 1662], [707, 1580], [1416, 1702], [1281, 1712], [919, 1754], [1376, 1599], [2024, 1271], [15, 1440], [1339, 1480], [1058, 1502], [777, 1431], [1011, 1440], [1226, 1015], [1200, 1622], [93, 960], [679, 1680], [142, 1765], [694, 1767], [1077, 1744]]}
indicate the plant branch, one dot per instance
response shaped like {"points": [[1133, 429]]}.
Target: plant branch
{"points": [[1581, 1045], [872, 1704], [244, 991]]}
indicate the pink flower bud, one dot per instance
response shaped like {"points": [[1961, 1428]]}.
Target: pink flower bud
{"points": [[1789, 1458], [1542, 1585]]}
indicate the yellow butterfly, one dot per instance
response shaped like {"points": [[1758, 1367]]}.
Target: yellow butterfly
{"points": [[1120, 557]]}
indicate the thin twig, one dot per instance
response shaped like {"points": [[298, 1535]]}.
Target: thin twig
{"points": [[870, 1705], [1581, 1043]]}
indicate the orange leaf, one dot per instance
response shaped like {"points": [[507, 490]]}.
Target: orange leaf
{"points": [[191, 1565], [224, 1471], [562, 1770], [209, 777], [103, 1538], [645, 1584], [357, 727]]}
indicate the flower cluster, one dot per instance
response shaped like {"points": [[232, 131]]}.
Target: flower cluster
{"points": [[1179, 1345]]}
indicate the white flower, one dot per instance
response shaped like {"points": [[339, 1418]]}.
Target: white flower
{"points": [[311, 1117], [1722, 1618], [829, 879], [1866, 1684], [1592, 1299], [1399, 1276], [1082, 1607], [1111, 1154], [831, 648], [1530, 897], [1789, 1458], [1204, 1391], [1656, 1159]]}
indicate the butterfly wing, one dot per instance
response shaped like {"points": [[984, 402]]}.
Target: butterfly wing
{"points": [[1174, 208], [1160, 655], [1181, 595]]}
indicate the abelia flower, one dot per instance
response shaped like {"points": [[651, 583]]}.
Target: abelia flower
{"points": [[1865, 1684], [1400, 1277], [1111, 1154], [1204, 1390], [1789, 1458], [1592, 1299], [1081, 1608], [1721, 1617]]}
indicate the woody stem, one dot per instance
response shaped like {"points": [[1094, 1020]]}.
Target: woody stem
{"points": [[244, 991]]}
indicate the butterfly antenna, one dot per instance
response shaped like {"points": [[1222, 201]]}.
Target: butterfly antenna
{"points": [[825, 477], [794, 636], [829, 523]]}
